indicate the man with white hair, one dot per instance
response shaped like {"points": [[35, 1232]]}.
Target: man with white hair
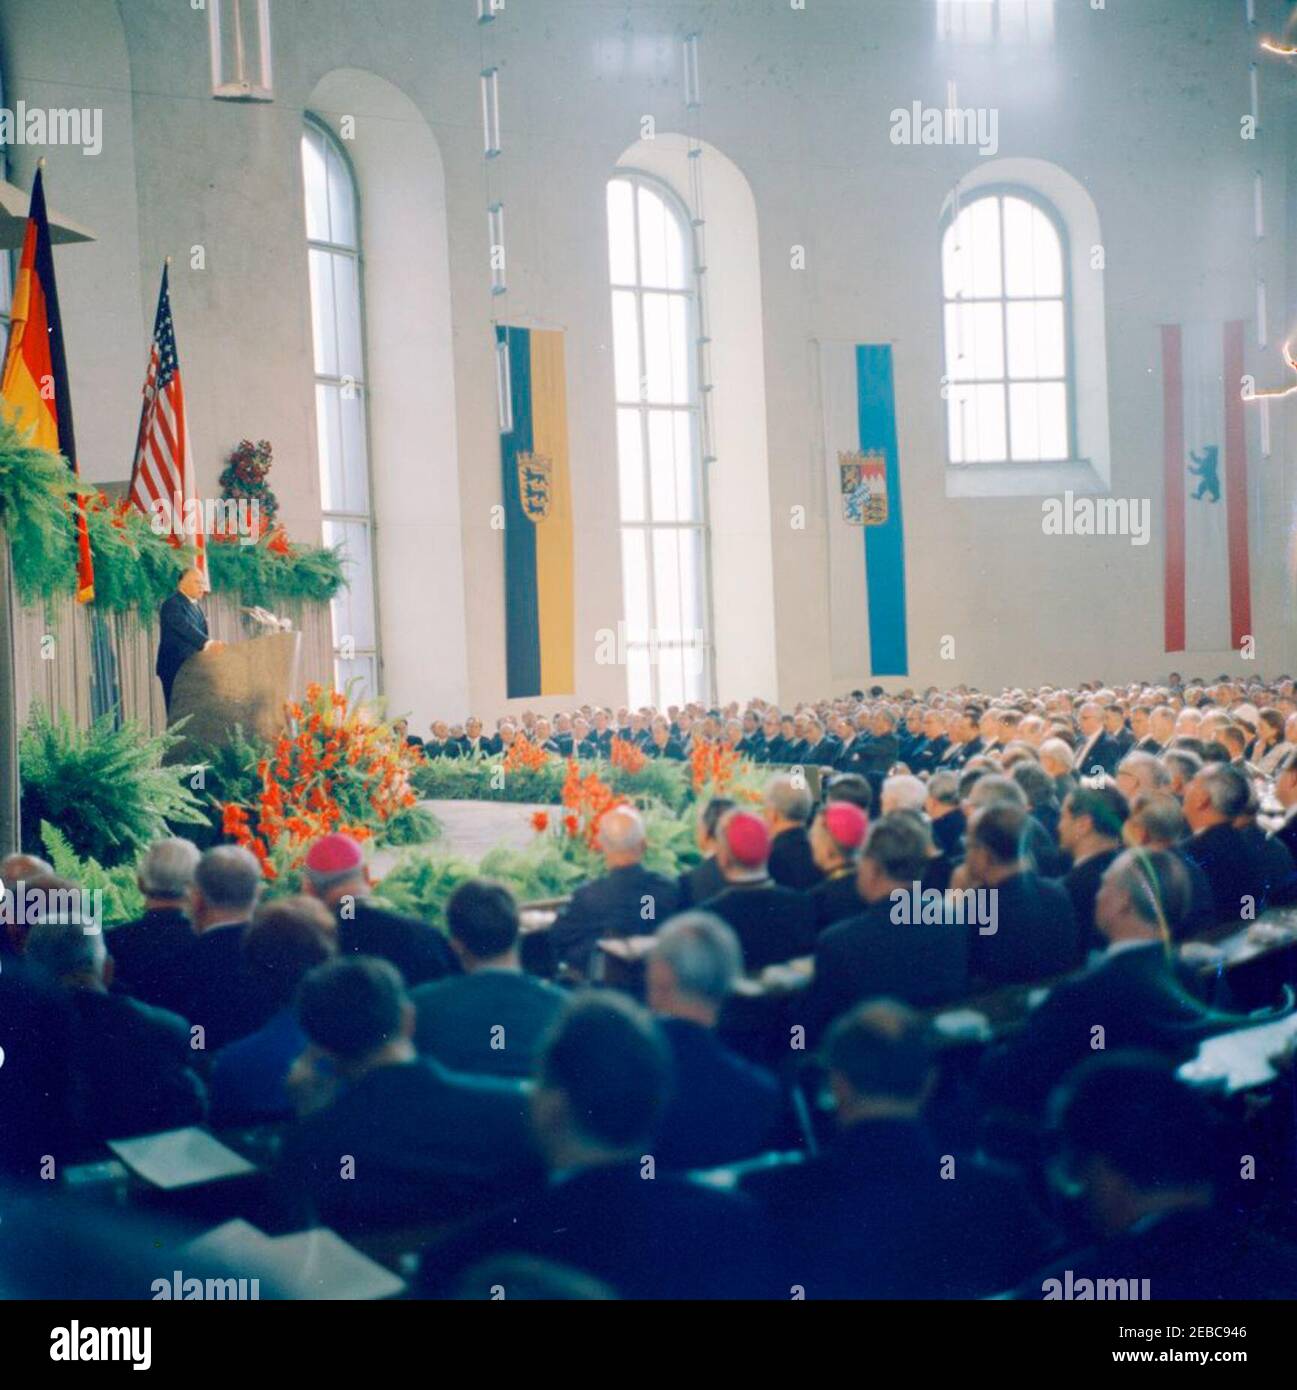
{"points": [[902, 793], [722, 1108], [132, 1062], [183, 629], [1057, 759], [152, 954], [1141, 773], [628, 900]]}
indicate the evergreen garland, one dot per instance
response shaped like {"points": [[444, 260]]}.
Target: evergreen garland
{"points": [[135, 569]]}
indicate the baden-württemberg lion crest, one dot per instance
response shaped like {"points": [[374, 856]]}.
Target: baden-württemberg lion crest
{"points": [[535, 485], [863, 480]]}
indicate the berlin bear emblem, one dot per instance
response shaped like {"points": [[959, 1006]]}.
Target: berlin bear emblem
{"points": [[1207, 472]]}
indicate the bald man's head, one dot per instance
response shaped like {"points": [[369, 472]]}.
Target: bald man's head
{"points": [[622, 837]]}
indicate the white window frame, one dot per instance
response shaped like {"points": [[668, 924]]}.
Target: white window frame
{"points": [[312, 124], [704, 647], [243, 78], [1000, 192], [953, 18]]}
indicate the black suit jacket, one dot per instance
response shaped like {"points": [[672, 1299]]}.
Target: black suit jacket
{"points": [[792, 865], [870, 955], [426, 1143], [135, 1068], [610, 1222], [457, 1019], [183, 633], [773, 924], [613, 905], [701, 882], [219, 992], [151, 956], [1082, 884], [1106, 753], [835, 898], [1133, 995], [1036, 935], [1240, 864], [722, 1108], [419, 951], [878, 1215]]}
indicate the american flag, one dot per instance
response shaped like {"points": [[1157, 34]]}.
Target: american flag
{"points": [[162, 477]]}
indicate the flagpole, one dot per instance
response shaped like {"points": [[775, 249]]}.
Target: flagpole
{"points": [[10, 827]]}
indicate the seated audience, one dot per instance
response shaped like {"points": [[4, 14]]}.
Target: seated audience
{"points": [[1130, 996], [336, 874], [773, 923], [602, 1083], [788, 807], [629, 900], [883, 951], [1036, 935], [286, 939], [489, 1020], [837, 837], [1147, 1163], [883, 1212], [152, 954], [722, 1108], [218, 993], [386, 1137], [132, 1064]]}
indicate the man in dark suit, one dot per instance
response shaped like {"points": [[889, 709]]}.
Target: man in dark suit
{"points": [[1035, 934], [821, 750], [788, 806], [1114, 721], [217, 991], [601, 1088], [628, 900], [1090, 832], [1098, 749], [722, 1108], [1130, 993], [773, 923], [183, 629], [399, 1138], [152, 954], [705, 879], [1245, 872], [880, 1213], [133, 1064], [930, 750], [945, 814], [660, 744], [472, 742], [1156, 821], [883, 951], [336, 874], [1147, 1156], [490, 1019], [967, 742], [773, 745]]}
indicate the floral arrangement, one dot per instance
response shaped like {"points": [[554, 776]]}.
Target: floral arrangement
{"points": [[335, 768], [244, 479], [525, 755], [587, 800], [627, 755]]}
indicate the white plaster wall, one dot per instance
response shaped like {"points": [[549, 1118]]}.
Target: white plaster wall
{"points": [[1139, 102]]}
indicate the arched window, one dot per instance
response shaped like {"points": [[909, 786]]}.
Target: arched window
{"points": [[664, 543], [1009, 393], [337, 315]]}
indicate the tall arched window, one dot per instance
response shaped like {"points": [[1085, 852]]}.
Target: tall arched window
{"points": [[337, 315], [659, 456], [1009, 397]]}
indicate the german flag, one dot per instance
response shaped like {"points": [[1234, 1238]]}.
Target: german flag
{"points": [[538, 584], [34, 385]]}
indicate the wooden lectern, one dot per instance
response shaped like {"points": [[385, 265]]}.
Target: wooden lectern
{"points": [[245, 684]]}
